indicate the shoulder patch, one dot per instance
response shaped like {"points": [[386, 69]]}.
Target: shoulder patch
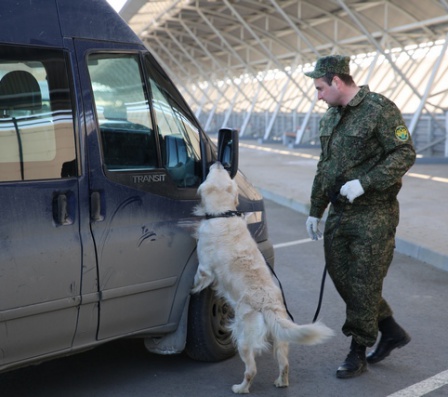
{"points": [[402, 133]]}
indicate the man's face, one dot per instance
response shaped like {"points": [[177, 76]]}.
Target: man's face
{"points": [[328, 93]]}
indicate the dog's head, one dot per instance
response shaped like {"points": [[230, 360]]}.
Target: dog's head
{"points": [[219, 192]]}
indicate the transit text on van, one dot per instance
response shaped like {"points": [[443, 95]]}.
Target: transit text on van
{"points": [[149, 178]]}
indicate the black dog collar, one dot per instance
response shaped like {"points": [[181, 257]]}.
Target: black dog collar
{"points": [[227, 214]]}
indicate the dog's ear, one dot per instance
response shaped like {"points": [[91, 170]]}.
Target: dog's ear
{"points": [[199, 210], [199, 191], [205, 188]]}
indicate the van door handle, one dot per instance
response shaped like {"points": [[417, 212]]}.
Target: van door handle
{"points": [[95, 207], [61, 210]]}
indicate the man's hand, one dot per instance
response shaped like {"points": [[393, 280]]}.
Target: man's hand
{"points": [[352, 189], [312, 227]]}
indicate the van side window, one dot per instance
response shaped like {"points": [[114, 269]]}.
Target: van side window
{"points": [[36, 117], [178, 133], [127, 136]]}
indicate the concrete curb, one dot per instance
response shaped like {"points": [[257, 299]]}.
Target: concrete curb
{"points": [[404, 247]]}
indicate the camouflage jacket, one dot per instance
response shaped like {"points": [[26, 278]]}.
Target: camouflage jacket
{"points": [[366, 140]]}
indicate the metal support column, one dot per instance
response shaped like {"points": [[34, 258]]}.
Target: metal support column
{"points": [[434, 72]]}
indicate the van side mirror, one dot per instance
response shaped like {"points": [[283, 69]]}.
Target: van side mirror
{"points": [[228, 150]]}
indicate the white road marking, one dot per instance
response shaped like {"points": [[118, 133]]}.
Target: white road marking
{"points": [[279, 151], [309, 156], [290, 243], [417, 390], [424, 387], [429, 177]]}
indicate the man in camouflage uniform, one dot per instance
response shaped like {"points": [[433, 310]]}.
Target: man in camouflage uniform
{"points": [[366, 149]]}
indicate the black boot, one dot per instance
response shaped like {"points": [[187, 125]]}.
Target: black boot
{"points": [[355, 363], [392, 337]]}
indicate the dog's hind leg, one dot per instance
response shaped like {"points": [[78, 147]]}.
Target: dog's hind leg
{"points": [[281, 350], [248, 357], [249, 332]]}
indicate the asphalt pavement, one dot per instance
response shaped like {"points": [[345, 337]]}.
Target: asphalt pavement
{"points": [[416, 291], [285, 175]]}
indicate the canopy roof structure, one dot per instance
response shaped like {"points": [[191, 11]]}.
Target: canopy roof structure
{"points": [[242, 61]]}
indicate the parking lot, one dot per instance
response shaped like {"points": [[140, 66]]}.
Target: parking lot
{"points": [[416, 291]]}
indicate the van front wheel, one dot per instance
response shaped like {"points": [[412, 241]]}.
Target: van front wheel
{"points": [[208, 336]]}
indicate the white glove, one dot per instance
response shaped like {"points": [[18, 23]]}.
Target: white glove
{"points": [[352, 189], [312, 227]]}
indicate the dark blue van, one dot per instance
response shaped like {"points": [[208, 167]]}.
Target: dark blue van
{"points": [[100, 160]]}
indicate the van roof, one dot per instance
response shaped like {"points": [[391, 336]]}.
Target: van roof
{"points": [[47, 22]]}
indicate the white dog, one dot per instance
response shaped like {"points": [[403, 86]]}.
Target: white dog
{"points": [[230, 262]]}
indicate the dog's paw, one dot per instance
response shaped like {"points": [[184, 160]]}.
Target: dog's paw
{"points": [[240, 389], [279, 382], [198, 286], [282, 380], [195, 289], [202, 280]]}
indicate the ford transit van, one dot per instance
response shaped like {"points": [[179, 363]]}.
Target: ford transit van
{"points": [[100, 161]]}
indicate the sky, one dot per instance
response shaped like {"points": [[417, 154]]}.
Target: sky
{"points": [[116, 4]]}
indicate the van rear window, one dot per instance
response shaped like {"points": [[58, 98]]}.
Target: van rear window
{"points": [[36, 117]]}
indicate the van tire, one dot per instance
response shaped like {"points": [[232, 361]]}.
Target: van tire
{"points": [[208, 338]]}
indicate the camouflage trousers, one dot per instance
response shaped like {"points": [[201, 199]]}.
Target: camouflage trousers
{"points": [[359, 248]]}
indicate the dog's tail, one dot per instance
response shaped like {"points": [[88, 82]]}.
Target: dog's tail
{"points": [[286, 330]]}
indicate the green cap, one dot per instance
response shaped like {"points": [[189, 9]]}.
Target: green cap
{"points": [[330, 64]]}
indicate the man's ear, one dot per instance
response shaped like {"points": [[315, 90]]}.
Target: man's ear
{"points": [[337, 82]]}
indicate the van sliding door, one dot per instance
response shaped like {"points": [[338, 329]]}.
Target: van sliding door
{"points": [[40, 255]]}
